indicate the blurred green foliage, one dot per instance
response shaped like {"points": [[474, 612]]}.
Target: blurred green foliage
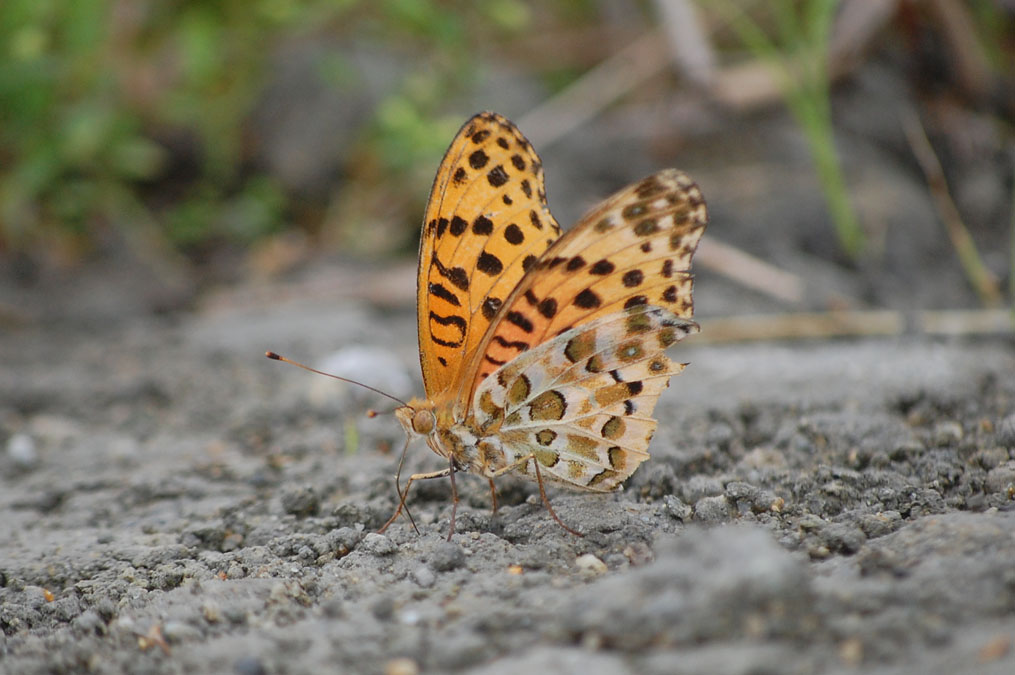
{"points": [[798, 48], [138, 114], [111, 110]]}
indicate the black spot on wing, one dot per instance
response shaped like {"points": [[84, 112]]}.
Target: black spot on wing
{"points": [[478, 159], [575, 263], [633, 278], [451, 320], [497, 176], [587, 299], [647, 227], [520, 320], [456, 275], [489, 264], [439, 291], [518, 345], [490, 307], [482, 226], [547, 307], [514, 234]]}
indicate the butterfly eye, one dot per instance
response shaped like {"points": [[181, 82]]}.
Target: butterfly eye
{"points": [[423, 422]]}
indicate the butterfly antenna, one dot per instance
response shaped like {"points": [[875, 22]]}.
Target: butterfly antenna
{"points": [[276, 357], [371, 413]]}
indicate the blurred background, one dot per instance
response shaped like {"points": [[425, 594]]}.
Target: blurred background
{"points": [[857, 156]]}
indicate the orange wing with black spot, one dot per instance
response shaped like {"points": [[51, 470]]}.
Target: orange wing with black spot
{"points": [[632, 250], [486, 224]]}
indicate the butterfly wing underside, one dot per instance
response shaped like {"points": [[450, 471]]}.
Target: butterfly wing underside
{"points": [[571, 369], [486, 224], [582, 402]]}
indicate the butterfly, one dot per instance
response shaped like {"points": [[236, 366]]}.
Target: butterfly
{"points": [[543, 353]]}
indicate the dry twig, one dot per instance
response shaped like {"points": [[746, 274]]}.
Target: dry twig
{"points": [[749, 271], [825, 325], [982, 279]]}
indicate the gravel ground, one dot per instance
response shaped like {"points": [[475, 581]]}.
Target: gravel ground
{"points": [[172, 502]]}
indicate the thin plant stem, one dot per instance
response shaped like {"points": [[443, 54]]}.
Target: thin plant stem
{"points": [[1011, 261], [801, 63]]}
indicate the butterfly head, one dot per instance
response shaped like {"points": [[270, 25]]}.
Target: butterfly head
{"points": [[417, 418]]}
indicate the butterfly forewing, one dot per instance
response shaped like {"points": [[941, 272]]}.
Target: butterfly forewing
{"points": [[486, 223], [582, 402], [632, 250]]}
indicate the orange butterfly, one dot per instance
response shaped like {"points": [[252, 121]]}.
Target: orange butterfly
{"points": [[543, 354]]}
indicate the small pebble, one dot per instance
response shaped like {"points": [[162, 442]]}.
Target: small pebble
{"points": [[424, 576], [990, 458], [409, 617], [301, 502], [89, 622], [1001, 478], [333, 607], [590, 565], [674, 506], [947, 433], [383, 608], [35, 596], [180, 631], [447, 556], [699, 486], [1006, 431], [377, 544], [401, 667], [211, 611], [249, 665], [21, 450], [712, 509]]}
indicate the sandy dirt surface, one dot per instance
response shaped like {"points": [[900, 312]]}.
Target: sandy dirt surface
{"points": [[172, 502]]}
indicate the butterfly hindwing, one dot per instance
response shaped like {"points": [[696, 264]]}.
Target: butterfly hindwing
{"points": [[486, 223], [582, 402], [632, 250]]}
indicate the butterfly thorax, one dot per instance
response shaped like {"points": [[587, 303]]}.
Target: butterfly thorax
{"points": [[450, 437]]}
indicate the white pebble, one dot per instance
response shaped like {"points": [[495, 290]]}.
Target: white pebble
{"points": [[21, 450], [589, 564], [424, 576]]}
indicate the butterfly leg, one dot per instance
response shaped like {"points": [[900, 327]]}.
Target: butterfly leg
{"points": [[405, 493], [493, 495], [454, 498], [542, 490]]}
